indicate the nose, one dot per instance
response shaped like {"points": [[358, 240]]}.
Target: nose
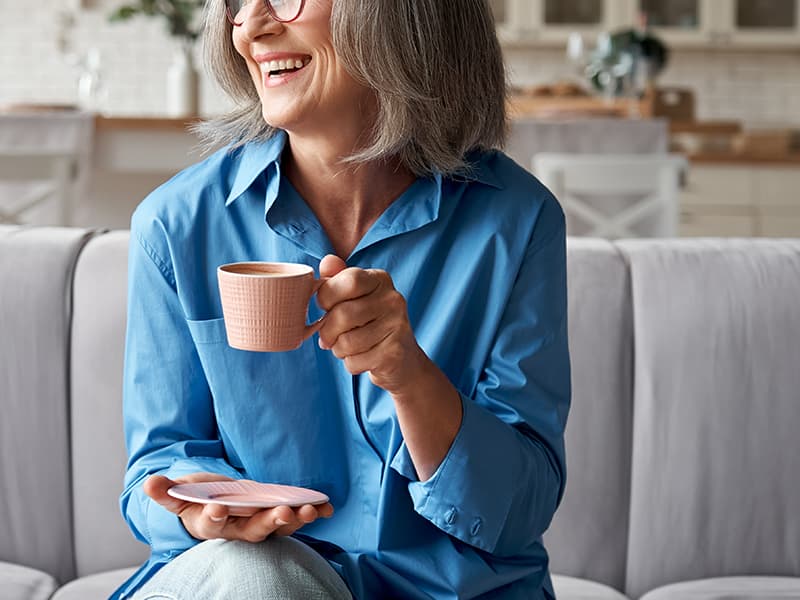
{"points": [[255, 20]]}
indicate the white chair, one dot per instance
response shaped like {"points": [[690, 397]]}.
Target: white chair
{"points": [[46, 177], [615, 195]]}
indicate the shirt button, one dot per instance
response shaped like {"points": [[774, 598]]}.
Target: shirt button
{"points": [[476, 526], [450, 515]]}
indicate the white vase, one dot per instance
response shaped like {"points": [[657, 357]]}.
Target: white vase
{"points": [[182, 84]]}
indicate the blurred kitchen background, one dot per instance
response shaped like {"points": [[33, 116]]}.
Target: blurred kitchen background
{"points": [[94, 113]]}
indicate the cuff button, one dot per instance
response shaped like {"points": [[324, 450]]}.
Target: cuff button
{"points": [[476, 526]]}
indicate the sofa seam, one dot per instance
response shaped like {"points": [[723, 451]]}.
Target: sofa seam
{"points": [[69, 309], [631, 382]]}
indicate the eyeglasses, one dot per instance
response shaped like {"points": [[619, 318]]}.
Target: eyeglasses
{"points": [[284, 11]]}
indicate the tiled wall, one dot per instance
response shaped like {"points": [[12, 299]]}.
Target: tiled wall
{"points": [[759, 88], [135, 57]]}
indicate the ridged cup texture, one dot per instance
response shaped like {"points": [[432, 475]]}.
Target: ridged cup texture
{"points": [[265, 312]]}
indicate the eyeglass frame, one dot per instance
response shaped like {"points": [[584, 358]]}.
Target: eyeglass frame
{"points": [[270, 10]]}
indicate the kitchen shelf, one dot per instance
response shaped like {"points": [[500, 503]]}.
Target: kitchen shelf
{"points": [[103, 123]]}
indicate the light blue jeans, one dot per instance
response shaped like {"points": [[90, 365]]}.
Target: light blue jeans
{"points": [[279, 568]]}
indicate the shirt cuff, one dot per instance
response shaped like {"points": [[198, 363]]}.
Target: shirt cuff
{"points": [[468, 496]]}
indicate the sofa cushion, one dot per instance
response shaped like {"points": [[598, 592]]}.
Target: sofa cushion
{"points": [[716, 454], [23, 583], [572, 588], [588, 536], [729, 588], [102, 539], [36, 267], [94, 587]]}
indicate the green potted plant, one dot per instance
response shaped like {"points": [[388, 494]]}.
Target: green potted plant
{"points": [[182, 18], [181, 15]]}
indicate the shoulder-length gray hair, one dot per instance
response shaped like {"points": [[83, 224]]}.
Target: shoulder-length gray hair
{"points": [[436, 69]]}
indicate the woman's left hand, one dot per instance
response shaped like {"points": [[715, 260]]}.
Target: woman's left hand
{"points": [[367, 325]]}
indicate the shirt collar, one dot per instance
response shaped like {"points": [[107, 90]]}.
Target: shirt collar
{"points": [[254, 159], [480, 168]]}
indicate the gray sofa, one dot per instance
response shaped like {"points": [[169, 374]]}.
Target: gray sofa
{"points": [[683, 444]]}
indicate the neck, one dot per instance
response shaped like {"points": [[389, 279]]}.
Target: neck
{"points": [[347, 199]]}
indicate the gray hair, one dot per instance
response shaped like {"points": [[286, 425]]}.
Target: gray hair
{"points": [[436, 69]]}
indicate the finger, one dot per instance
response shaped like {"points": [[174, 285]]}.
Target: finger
{"points": [[357, 364], [349, 284], [383, 360], [324, 511], [273, 518], [216, 513], [206, 522], [361, 340], [307, 513], [283, 516], [346, 316], [243, 511], [330, 265], [280, 520]]}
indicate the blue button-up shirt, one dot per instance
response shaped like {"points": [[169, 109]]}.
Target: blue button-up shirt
{"points": [[481, 263]]}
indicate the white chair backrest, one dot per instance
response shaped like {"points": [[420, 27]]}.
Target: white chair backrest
{"points": [[615, 195], [56, 171]]}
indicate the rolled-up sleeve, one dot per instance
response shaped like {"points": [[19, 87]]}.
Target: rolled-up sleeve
{"points": [[504, 474], [167, 409]]}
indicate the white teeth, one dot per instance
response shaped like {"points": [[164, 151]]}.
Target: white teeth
{"points": [[282, 65]]}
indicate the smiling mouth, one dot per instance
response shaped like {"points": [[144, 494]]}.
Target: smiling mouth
{"points": [[276, 68]]}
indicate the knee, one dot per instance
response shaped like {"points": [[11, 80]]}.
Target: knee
{"points": [[279, 568]]}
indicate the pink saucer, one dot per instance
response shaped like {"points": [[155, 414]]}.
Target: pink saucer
{"points": [[246, 493]]}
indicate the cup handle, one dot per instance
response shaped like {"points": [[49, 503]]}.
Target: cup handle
{"points": [[312, 328]]}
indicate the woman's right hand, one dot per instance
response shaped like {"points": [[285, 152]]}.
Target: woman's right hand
{"points": [[211, 521]]}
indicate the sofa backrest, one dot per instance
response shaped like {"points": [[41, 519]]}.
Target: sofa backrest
{"points": [[589, 534], [716, 452], [711, 489], [588, 537], [102, 539], [36, 267]]}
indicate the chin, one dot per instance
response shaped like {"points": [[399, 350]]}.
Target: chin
{"points": [[271, 119]]}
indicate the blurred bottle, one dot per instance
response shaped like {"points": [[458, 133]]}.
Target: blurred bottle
{"points": [[182, 84], [91, 87]]}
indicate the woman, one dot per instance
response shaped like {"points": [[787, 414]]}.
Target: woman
{"points": [[431, 406]]}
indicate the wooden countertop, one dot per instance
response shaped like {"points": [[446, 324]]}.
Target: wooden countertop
{"points": [[707, 158], [732, 158], [520, 106], [160, 123]]}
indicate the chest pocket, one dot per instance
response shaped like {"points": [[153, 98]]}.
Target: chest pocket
{"points": [[276, 415]]}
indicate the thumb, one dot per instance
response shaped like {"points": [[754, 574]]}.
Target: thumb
{"points": [[156, 487], [330, 265]]}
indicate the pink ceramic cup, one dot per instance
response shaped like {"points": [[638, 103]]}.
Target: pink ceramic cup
{"points": [[265, 304]]}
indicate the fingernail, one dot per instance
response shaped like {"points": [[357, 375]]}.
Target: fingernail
{"points": [[281, 522], [217, 519]]}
